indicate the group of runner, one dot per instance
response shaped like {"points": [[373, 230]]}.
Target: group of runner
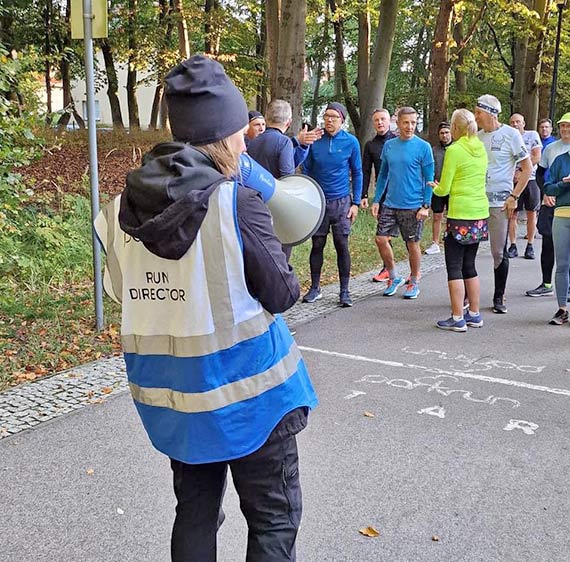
{"points": [[482, 171]]}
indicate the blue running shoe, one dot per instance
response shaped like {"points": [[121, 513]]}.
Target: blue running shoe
{"points": [[393, 286], [452, 325], [313, 295], [473, 320], [412, 291]]}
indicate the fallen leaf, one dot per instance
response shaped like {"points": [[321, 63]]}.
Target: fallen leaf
{"points": [[369, 532], [106, 390], [90, 471], [369, 415]]}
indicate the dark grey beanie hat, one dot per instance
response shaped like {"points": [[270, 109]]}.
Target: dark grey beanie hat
{"points": [[339, 108], [204, 106]]}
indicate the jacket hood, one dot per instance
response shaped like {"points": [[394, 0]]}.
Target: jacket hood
{"points": [[166, 199], [472, 145]]}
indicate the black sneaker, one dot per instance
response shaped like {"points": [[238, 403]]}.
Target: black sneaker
{"points": [[561, 317], [512, 252], [529, 252], [541, 291], [344, 300], [499, 306]]}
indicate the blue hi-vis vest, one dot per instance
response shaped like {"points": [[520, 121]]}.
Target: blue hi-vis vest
{"points": [[210, 371]]}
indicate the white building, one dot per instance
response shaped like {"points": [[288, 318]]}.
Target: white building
{"points": [[145, 96]]}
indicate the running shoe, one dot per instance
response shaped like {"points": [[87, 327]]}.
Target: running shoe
{"points": [[473, 320], [499, 306], [313, 295], [512, 252], [412, 291], [344, 300], [433, 249], [382, 276], [541, 291], [561, 317], [393, 286], [452, 325], [529, 252]]}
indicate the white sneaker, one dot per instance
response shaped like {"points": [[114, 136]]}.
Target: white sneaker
{"points": [[433, 249]]}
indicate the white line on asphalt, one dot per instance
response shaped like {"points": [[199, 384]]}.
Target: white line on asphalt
{"points": [[484, 378]]}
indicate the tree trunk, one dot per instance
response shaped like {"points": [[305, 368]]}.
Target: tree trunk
{"points": [[291, 57], [68, 103], [363, 52], [519, 50], [439, 66], [544, 89], [380, 65], [112, 85], [47, 55], [321, 53], [132, 103], [340, 67], [183, 43], [165, 11], [533, 67], [260, 51], [460, 74], [211, 35], [272, 22]]}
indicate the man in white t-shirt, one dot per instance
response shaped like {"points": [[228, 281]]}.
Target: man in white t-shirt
{"points": [[530, 198], [505, 150]]}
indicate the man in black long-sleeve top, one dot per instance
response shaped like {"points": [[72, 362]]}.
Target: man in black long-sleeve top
{"points": [[372, 155]]}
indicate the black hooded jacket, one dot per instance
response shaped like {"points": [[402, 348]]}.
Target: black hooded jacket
{"points": [[166, 200]]}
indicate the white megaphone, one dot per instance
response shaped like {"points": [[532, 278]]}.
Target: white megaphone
{"points": [[296, 202]]}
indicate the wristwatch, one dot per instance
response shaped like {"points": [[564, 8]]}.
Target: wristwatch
{"points": [[425, 206], [515, 197]]}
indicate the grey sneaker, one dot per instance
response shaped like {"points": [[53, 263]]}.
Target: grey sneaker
{"points": [[512, 252], [541, 291], [313, 295], [499, 306], [561, 317], [529, 252], [344, 300]]}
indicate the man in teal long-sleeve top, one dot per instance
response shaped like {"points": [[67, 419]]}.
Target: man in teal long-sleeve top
{"points": [[407, 168]]}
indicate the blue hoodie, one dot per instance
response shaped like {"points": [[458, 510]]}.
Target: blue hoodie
{"points": [[329, 162]]}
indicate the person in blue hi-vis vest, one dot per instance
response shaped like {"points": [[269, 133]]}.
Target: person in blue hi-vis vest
{"points": [[214, 372]]}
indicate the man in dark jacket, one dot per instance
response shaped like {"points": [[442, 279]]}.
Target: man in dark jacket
{"points": [[372, 155]]}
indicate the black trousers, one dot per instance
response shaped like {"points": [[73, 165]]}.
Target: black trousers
{"points": [[267, 482]]}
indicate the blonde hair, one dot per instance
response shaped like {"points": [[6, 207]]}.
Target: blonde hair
{"points": [[224, 158], [464, 122]]}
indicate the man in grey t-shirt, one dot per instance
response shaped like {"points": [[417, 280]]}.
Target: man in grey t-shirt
{"points": [[505, 150]]}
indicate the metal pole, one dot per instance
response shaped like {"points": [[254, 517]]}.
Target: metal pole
{"points": [[93, 165], [555, 68]]}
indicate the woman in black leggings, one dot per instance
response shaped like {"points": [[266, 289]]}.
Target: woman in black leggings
{"points": [[463, 179]]}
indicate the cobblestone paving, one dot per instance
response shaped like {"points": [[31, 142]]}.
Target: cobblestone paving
{"points": [[26, 406]]}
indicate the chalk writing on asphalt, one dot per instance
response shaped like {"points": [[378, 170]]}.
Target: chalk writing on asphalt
{"points": [[474, 364], [527, 427], [436, 411], [439, 384]]}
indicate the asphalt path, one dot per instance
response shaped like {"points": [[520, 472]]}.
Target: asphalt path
{"points": [[454, 446]]}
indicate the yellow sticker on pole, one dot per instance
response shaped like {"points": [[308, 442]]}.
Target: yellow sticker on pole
{"points": [[99, 11]]}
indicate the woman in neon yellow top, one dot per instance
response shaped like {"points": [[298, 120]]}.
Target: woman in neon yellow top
{"points": [[463, 179]]}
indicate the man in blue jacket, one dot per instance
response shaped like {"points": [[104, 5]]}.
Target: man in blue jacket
{"points": [[334, 162]]}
